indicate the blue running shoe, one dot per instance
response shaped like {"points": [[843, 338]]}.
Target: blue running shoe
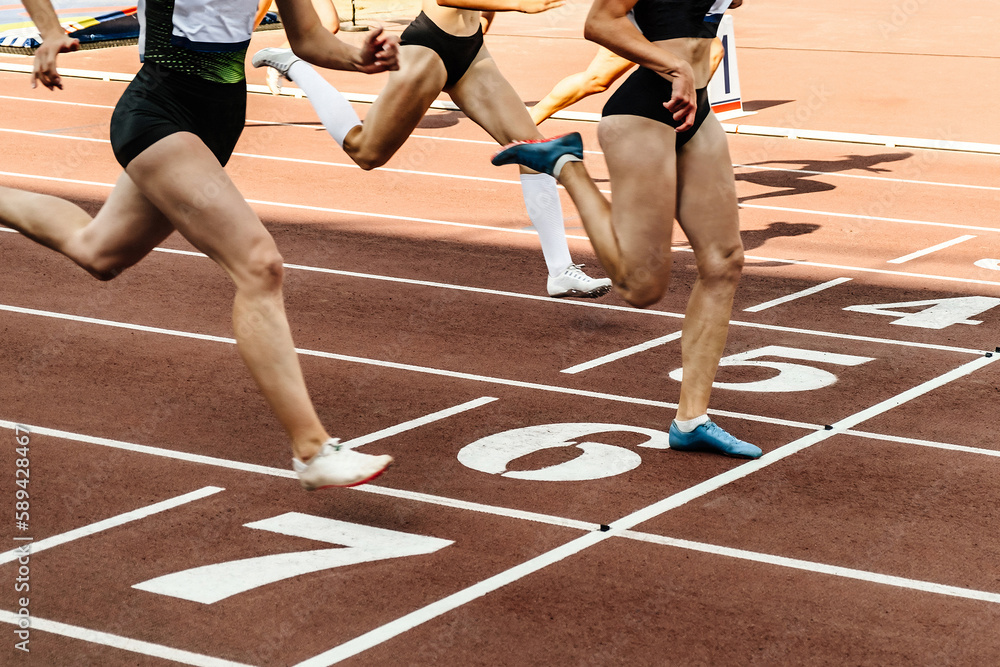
{"points": [[543, 155], [709, 437]]}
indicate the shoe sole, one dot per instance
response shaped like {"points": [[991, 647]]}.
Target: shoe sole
{"points": [[352, 484], [592, 294], [265, 62], [713, 450]]}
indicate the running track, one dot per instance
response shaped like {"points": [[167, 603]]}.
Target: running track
{"points": [[867, 534]]}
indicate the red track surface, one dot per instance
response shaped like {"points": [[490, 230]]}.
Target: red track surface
{"points": [[417, 288]]}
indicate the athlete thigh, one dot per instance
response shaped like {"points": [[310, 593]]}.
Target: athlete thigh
{"points": [[707, 209], [127, 227], [642, 165], [183, 178], [405, 99], [485, 96]]}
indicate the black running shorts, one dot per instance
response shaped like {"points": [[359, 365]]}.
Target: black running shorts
{"points": [[160, 102], [457, 53], [643, 94]]}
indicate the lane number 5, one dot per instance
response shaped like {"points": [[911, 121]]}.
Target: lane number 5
{"points": [[791, 376]]}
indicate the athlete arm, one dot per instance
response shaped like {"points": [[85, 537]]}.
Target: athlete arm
{"points": [[315, 44], [262, 7], [486, 20], [54, 41], [525, 6], [608, 25]]}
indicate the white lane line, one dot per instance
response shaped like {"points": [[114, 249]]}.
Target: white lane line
{"points": [[797, 295], [932, 249], [63, 102], [296, 160], [56, 179], [119, 642], [752, 130], [796, 446], [106, 524], [440, 607], [418, 422], [510, 182], [71, 137], [570, 303], [155, 451], [409, 172], [285, 473], [406, 367], [884, 272], [506, 512], [868, 178], [855, 138], [483, 142], [614, 356], [874, 218], [818, 568], [924, 443], [321, 209]]}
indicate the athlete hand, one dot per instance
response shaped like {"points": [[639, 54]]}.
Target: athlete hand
{"points": [[683, 103], [537, 6], [45, 60], [379, 53]]}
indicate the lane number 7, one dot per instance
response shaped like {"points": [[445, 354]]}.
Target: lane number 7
{"points": [[358, 544]]}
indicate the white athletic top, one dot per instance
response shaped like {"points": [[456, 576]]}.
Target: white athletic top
{"points": [[207, 38]]}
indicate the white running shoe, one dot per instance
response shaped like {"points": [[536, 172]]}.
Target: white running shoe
{"points": [[280, 59], [337, 465], [272, 78], [574, 282]]}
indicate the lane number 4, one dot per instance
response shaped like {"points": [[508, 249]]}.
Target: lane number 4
{"points": [[932, 313]]}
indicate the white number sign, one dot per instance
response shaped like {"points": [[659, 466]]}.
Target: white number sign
{"points": [[596, 460], [933, 313], [364, 544], [790, 377]]}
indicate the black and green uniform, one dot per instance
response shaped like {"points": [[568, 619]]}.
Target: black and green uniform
{"points": [[192, 78]]}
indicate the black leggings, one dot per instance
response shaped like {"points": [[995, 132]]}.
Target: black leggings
{"points": [[160, 102], [643, 94]]}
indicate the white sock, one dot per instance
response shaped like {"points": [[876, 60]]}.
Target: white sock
{"points": [[541, 197], [688, 425], [563, 159], [333, 109]]}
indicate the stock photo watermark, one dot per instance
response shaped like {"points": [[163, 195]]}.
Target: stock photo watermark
{"points": [[22, 507]]}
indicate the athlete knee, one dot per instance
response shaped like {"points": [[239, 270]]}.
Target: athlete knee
{"points": [[263, 269], [104, 270], [722, 265], [595, 83], [644, 286], [101, 265], [642, 295]]}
